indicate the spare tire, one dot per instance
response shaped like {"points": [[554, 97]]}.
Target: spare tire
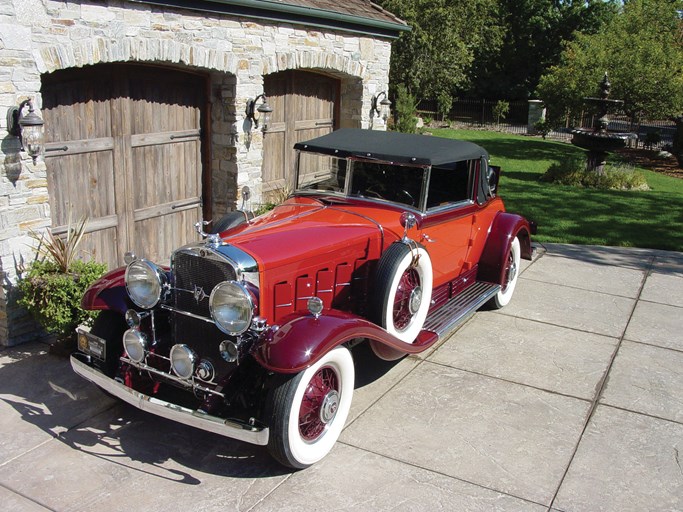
{"points": [[403, 290]]}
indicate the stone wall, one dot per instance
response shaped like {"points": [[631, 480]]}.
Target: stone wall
{"points": [[41, 36]]}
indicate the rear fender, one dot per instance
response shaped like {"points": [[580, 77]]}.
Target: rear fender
{"points": [[108, 292], [505, 227], [302, 339]]}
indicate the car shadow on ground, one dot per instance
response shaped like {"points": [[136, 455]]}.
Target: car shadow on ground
{"points": [[45, 393]]}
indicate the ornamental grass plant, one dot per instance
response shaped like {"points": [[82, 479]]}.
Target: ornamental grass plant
{"points": [[52, 286]]}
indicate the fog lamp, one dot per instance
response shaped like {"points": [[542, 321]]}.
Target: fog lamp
{"points": [[229, 351], [135, 345], [132, 318], [183, 359]]}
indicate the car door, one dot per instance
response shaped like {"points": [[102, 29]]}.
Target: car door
{"points": [[447, 225]]}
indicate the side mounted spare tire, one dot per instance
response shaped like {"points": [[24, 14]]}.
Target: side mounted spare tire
{"points": [[403, 290]]}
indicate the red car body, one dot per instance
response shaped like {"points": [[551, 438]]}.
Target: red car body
{"points": [[389, 239]]}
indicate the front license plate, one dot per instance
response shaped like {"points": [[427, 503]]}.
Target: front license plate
{"points": [[91, 344]]}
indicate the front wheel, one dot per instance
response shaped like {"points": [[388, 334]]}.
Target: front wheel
{"points": [[307, 412], [512, 263]]}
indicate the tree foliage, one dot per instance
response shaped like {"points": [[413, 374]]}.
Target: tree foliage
{"points": [[485, 48], [434, 59], [641, 49], [535, 31]]}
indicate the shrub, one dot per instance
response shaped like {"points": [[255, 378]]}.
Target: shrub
{"points": [[617, 176], [543, 127], [54, 297], [274, 198], [406, 121]]}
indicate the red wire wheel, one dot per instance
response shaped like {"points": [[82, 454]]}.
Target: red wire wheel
{"points": [[307, 412], [319, 404]]}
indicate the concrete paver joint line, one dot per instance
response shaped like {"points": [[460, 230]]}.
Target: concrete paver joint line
{"points": [[603, 381]]}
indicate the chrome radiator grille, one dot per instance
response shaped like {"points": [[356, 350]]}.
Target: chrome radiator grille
{"points": [[194, 277]]}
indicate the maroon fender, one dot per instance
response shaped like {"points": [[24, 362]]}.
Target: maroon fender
{"points": [[108, 292], [302, 339], [505, 227]]}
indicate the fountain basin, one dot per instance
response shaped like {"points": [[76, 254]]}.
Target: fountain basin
{"points": [[592, 140]]}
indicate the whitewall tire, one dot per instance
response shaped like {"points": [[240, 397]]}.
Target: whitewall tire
{"points": [[307, 412], [512, 263]]}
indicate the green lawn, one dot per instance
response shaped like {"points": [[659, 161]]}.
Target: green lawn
{"points": [[652, 219]]}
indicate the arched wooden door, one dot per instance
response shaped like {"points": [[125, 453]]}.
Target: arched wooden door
{"points": [[124, 149], [305, 105]]}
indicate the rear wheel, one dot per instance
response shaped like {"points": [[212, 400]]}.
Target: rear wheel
{"points": [[307, 412], [512, 262]]}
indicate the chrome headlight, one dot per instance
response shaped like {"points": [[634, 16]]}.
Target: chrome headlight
{"points": [[135, 345], [231, 307], [144, 283]]}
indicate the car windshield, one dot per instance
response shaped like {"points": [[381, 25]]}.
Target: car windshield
{"points": [[321, 173], [362, 178]]}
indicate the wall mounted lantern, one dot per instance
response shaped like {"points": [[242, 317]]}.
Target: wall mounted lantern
{"points": [[381, 108], [29, 128], [263, 108]]}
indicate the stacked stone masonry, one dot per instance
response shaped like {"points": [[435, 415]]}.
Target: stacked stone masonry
{"points": [[38, 37]]}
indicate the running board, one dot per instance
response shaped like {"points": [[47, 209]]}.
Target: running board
{"points": [[458, 309]]}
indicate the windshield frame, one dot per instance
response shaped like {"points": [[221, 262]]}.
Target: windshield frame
{"points": [[352, 166]]}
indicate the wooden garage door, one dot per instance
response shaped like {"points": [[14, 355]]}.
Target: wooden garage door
{"points": [[124, 149], [305, 105]]}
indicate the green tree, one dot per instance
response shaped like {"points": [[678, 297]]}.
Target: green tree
{"points": [[641, 49], [534, 34], [434, 59]]}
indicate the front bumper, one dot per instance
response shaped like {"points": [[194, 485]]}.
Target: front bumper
{"points": [[233, 429]]}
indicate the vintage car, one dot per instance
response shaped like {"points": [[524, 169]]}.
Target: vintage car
{"points": [[388, 239]]}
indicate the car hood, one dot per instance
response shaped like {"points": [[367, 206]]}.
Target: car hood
{"points": [[296, 231]]}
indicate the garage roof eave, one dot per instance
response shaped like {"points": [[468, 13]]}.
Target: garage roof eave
{"points": [[281, 12]]}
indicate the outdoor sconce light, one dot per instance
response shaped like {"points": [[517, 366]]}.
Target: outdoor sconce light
{"points": [[29, 128], [263, 108], [382, 108]]}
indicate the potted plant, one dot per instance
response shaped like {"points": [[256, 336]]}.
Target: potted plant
{"points": [[52, 286]]}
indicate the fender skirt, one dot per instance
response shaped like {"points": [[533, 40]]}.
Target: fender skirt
{"points": [[505, 227], [108, 292], [302, 339]]}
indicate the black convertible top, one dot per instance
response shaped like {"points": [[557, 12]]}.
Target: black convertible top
{"points": [[400, 148]]}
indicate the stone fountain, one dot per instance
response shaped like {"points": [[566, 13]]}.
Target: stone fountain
{"points": [[599, 140]]}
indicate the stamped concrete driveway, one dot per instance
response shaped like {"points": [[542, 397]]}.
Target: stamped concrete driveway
{"points": [[568, 399]]}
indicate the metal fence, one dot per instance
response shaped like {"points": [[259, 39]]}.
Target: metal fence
{"points": [[479, 114]]}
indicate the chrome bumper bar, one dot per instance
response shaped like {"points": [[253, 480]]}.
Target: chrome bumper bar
{"points": [[228, 428]]}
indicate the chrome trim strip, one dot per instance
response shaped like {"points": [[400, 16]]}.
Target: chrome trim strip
{"points": [[369, 219], [233, 429], [188, 383], [191, 315]]}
